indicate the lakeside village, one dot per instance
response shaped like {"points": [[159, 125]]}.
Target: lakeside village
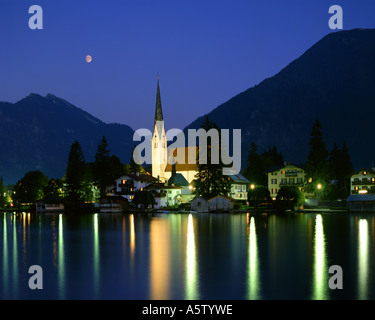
{"points": [[326, 182]]}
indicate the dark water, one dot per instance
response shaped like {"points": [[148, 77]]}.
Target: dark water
{"points": [[184, 256]]}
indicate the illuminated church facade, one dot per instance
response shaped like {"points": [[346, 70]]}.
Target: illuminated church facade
{"points": [[173, 165], [162, 159]]}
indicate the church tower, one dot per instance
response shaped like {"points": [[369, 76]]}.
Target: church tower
{"points": [[159, 142]]}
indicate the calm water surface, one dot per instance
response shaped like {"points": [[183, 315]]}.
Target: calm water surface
{"points": [[187, 256]]}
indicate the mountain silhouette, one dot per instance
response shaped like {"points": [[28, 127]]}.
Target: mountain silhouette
{"points": [[36, 133], [333, 81]]}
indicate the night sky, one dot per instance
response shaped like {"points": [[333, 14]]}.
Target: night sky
{"points": [[204, 51]]}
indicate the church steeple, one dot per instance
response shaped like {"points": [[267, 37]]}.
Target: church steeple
{"points": [[158, 109], [159, 141]]}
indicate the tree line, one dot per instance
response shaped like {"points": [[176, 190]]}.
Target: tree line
{"points": [[328, 169], [83, 182]]}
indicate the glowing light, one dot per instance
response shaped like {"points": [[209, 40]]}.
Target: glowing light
{"points": [[15, 255], [190, 187], [5, 255], [132, 233], [96, 253], [363, 255], [320, 264], [61, 264], [191, 263], [253, 263], [252, 186], [88, 59], [319, 186], [363, 191]]}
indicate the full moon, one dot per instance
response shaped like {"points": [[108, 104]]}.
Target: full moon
{"points": [[88, 58]]}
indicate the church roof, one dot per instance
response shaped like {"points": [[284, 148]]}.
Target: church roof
{"points": [[182, 161], [158, 110], [179, 180]]}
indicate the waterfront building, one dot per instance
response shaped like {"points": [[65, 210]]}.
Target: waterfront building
{"points": [[363, 182], [165, 194], [361, 203], [127, 185], [239, 188], [221, 204], [286, 175]]}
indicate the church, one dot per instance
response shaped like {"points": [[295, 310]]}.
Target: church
{"points": [[162, 158], [172, 165]]}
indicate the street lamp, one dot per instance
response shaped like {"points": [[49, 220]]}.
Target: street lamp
{"points": [[319, 186], [252, 187]]}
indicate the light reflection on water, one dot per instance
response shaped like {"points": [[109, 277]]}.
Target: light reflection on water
{"points": [[191, 263], [363, 259], [320, 278], [253, 262], [180, 256]]}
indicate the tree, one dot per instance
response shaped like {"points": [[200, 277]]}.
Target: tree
{"points": [[210, 180], [101, 167], [106, 168], [143, 198], [340, 166], [3, 197], [289, 197], [259, 195], [271, 157], [75, 176], [53, 191], [255, 171], [30, 188], [133, 166], [317, 166]]}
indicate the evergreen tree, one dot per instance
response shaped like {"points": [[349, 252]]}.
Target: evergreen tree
{"points": [[75, 175], [210, 180], [101, 173], [255, 171], [340, 168], [317, 166], [270, 158], [3, 197], [106, 168]]}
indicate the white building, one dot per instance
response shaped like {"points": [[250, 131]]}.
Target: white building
{"points": [[362, 182], [165, 194], [240, 187], [128, 184]]}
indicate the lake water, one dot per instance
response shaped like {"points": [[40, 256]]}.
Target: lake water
{"points": [[187, 256]]}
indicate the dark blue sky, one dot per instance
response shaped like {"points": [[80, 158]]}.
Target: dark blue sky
{"points": [[204, 51]]}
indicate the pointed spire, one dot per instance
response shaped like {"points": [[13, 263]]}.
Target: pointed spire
{"points": [[158, 111]]}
